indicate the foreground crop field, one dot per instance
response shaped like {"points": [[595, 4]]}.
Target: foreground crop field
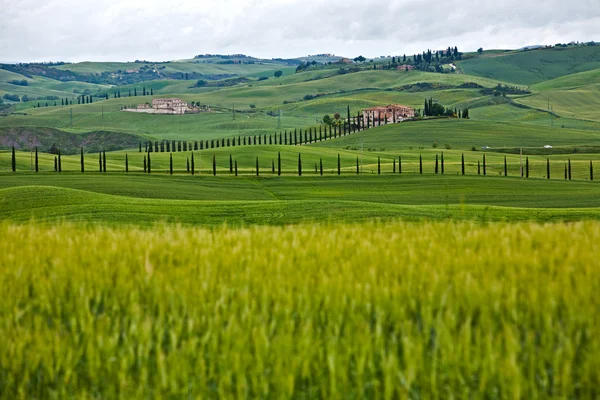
{"points": [[395, 310]]}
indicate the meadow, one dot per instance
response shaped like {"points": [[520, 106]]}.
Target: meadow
{"points": [[375, 310]]}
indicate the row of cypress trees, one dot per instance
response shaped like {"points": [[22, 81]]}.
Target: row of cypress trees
{"points": [[438, 166]]}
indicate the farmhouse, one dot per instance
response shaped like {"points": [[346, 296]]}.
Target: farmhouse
{"points": [[388, 114], [164, 106]]}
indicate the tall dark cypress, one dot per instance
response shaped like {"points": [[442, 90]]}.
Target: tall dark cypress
{"points": [[257, 173], [505, 167], [299, 164], [37, 168], [339, 165], [273, 167], [214, 165], [279, 163], [56, 164], [104, 160], [378, 165], [420, 165], [235, 166], [484, 170], [442, 161], [394, 169], [188, 164], [569, 169], [548, 168], [145, 165], [59, 162], [171, 163], [193, 165], [149, 164], [565, 171], [13, 160], [400, 165], [358, 168], [126, 163], [591, 171], [230, 164], [462, 163], [526, 167], [436, 163], [478, 168], [100, 162], [82, 164]]}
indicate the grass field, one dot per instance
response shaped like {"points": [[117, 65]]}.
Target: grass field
{"points": [[376, 310]]}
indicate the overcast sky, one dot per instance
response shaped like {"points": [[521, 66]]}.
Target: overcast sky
{"points": [[111, 30]]}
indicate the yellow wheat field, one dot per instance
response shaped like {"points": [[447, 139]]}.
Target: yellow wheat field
{"points": [[384, 311]]}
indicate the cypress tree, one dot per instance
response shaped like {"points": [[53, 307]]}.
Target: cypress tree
{"points": [[188, 164], [484, 169], [273, 167], [149, 164], [358, 168], [462, 163], [569, 169], [278, 163], [14, 160], [126, 163], [548, 168], [436, 164], [230, 164], [104, 161], [400, 164], [591, 171], [339, 165], [100, 162], [299, 164], [236, 174], [321, 166], [378, 165], [526, 167], [55, 164], [171, 163], [565, 171], [257, 173], [36, 160], [478, 168], [442, 160], [214, 165], [394, 170], [505, 167], [82, 165], [193, 165], [420, 165], [145, 166]]}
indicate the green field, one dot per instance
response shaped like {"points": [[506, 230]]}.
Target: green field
{"points": [[375, 310]]}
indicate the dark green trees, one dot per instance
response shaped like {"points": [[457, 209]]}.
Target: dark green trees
{"points": [[59, 162], [436, 164], [299, 164], [104, 161], [36, 160], [478, 168], [339, 169], [420, 164], [145, 164], [442, 161], [505, 167], [484, 170], [82, 163], [100, 162], [358, 167], [230, 164], [235, 166], [378, 165], [462, 163], [149, 164], [257, 173], [569, 169], [13, 161], [193, 165], [126, 163], [526, 167], [279, 163], [547, 168], [188, 164], [214, 165], [171, 163], [400, 164]]}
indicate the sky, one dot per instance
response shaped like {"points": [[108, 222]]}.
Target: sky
{"points": [[160, 30]]}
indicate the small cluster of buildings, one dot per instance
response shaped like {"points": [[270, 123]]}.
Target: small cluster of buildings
{"points": [[165, 106], [388, 114]]}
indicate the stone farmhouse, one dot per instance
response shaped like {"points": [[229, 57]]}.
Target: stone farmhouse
{"points": [[389, 114], [165, 106]]}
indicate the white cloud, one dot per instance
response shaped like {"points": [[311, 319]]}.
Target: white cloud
{"points": [[151, 29]]}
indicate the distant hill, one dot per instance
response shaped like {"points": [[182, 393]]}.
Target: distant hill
{"points": [[533, 66]]}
